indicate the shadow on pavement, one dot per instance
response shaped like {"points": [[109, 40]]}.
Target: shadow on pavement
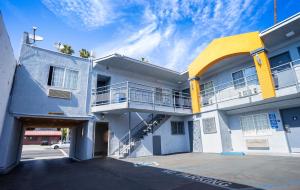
{"points": [[105, 174]]}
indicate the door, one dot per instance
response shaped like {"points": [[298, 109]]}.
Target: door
{"points": [[191, 134], [101, 139], [291, 123], [156, 145]]}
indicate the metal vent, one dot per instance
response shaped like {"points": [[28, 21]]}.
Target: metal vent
{"points": [[59, 94], [257, 144]]}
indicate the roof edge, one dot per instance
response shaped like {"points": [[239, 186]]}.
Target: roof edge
{"points": [[280, 24]]}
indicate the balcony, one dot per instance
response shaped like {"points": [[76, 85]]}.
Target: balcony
{"points": [[130, 96], [247, 90]]}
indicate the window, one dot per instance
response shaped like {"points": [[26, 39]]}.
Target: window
{"points": [[158, 95], [238, 79], [63, 78], [241, 77], [209, 125], [280, 62], [177, 127], [207, 89], [253, 125]]}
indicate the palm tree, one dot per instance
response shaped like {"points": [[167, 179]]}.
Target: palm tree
{"points": [[67, 49], [84, 53]]}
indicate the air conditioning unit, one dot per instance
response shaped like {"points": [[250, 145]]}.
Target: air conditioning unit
{"points": [[254, 90], [59, 94], [245, 93], [207, 102]]}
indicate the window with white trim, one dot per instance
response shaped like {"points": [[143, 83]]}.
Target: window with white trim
{"points": [[253, 125], [63, 78]]}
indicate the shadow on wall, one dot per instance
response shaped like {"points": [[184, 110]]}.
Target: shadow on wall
{"points": [[106, 173]]}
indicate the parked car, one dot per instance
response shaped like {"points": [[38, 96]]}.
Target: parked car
{"points": [[65, 144], [44, 143]]}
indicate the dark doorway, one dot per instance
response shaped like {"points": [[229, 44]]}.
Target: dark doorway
{"points": [[103, 89], [156, 145], [101, 139], [191, 134]]}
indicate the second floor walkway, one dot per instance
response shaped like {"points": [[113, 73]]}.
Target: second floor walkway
{"points": [[246, 89], [130, 96]]}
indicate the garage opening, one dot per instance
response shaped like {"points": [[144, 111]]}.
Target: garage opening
{"points": [[101, 139], [50, 138]]}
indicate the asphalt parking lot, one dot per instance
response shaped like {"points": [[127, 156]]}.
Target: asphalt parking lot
{"points": [[265, 172], [170, 172], [30, 152], [105, 173]]}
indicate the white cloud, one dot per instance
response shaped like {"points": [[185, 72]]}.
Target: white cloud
{"points": [[167, 32], [89, 13]]}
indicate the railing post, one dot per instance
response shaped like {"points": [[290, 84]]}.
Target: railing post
{"points": [[129, 133], [295, 76], [110, 97], [153, 99], [174, 101], [128, 93]]}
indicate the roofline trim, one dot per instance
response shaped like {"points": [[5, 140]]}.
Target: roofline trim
{"points": [[280, 24]]}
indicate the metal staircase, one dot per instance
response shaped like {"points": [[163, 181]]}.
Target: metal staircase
{"points": [[131, 140]]}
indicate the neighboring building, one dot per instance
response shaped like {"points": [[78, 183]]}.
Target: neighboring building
{"points": [[244, 91], [42, 136]]}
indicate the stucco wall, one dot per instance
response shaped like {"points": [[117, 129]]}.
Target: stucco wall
{"points": [[7, 70], [30, 92], [212, 143], [173, 143], [9, 129], [277, 139]]}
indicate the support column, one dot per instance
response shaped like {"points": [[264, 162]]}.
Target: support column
{"points": [[264, 73], [195, 94]]}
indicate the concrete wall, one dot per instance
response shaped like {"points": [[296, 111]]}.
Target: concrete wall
{"points": [[7, 69], [82, 141], [277, 139], [173, 143], [212, 143], [10, 129], [30, 92]]}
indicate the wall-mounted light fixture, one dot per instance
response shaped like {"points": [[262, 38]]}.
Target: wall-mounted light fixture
{"points": [[259, 61]]}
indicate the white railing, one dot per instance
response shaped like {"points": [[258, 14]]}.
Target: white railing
{"points": [[139, 93], [285, 75]]}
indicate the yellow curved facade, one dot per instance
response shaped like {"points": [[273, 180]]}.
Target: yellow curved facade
{"points": [[221, 48]]}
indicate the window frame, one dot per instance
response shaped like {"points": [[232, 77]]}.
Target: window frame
{"points": [[64, 77], [203, 90], [280, 67], [179, 129], [257, 131], [245, 78]]}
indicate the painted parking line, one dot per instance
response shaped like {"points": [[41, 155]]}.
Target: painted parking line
{"points": [[210, 181], [63, 152]]}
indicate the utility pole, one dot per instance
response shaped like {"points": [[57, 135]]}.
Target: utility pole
{"points": [[275, 11]]}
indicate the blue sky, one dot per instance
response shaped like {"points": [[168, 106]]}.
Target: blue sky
{"points": [[170, 33]]}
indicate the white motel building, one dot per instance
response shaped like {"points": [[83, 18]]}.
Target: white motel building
{"points": [[241, 95]]}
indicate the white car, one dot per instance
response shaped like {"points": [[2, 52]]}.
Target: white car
{"points": [[61, 145]]}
